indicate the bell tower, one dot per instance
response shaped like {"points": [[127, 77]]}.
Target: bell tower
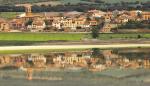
{"points": [[28, 9]]}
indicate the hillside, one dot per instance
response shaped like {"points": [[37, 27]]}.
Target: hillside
{"points": [[21, 1], [55, 2], [52, 2], [117, 1]]}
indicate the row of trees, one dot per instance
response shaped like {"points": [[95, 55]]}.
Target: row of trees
{"points": [[13, 2], [134, 25], [81, 7]]}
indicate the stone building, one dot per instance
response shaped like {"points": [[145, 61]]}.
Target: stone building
{"points": [[4, 26]]}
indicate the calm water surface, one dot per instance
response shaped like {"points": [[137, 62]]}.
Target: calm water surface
{"points": [[112, 67]]}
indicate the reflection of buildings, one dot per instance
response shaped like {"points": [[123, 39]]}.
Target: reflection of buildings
{"points": [[146, 63], [16, 60], [64, 60], [4, 25], [126, 63], [29, 73], [71, 59], [37, 60], [74, 59]]}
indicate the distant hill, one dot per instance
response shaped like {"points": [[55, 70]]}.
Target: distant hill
{"points": [[9, 2], [55, 2], [39, 2], [116, 1]]}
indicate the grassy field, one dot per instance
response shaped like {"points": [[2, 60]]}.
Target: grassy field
{"points": [[9, 15], [35, 38], [39, 51], [106, 36], [40, 36], [124, 36]]}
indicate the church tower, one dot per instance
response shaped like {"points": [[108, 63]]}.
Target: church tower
{"points": [[28, 9]]}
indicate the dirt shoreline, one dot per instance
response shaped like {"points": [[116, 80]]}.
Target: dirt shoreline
{"points": [[84, 44], [51, 47]]}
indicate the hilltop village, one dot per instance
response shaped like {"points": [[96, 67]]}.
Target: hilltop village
{"points": [[74, 21]]}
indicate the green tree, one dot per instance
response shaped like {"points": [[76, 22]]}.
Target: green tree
{"points": [[139, 36], [95, 30], [29, 22], [46, 22], [95, 52], [139, 15]]}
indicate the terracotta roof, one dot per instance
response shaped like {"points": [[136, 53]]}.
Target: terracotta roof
{"points": [[146, 13], [19, 21], [2, 20], [67, 14], [38, 22], [27, 16]]}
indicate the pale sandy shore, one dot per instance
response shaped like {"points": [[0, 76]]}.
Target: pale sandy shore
{"points": [[45, 47]]}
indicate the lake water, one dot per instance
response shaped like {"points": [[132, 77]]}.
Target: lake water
{"points": [[111, 67]]}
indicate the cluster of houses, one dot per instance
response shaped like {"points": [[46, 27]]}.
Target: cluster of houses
{"points": [[69, 21]]}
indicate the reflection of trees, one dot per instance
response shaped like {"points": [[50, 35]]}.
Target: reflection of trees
{"points": [[9, 68], [30, 63], [135, 55], [49, 58], [115, 51], [97, 54]]}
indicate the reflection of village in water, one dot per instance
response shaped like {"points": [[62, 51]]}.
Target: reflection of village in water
{"points": [[94, 60]]}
